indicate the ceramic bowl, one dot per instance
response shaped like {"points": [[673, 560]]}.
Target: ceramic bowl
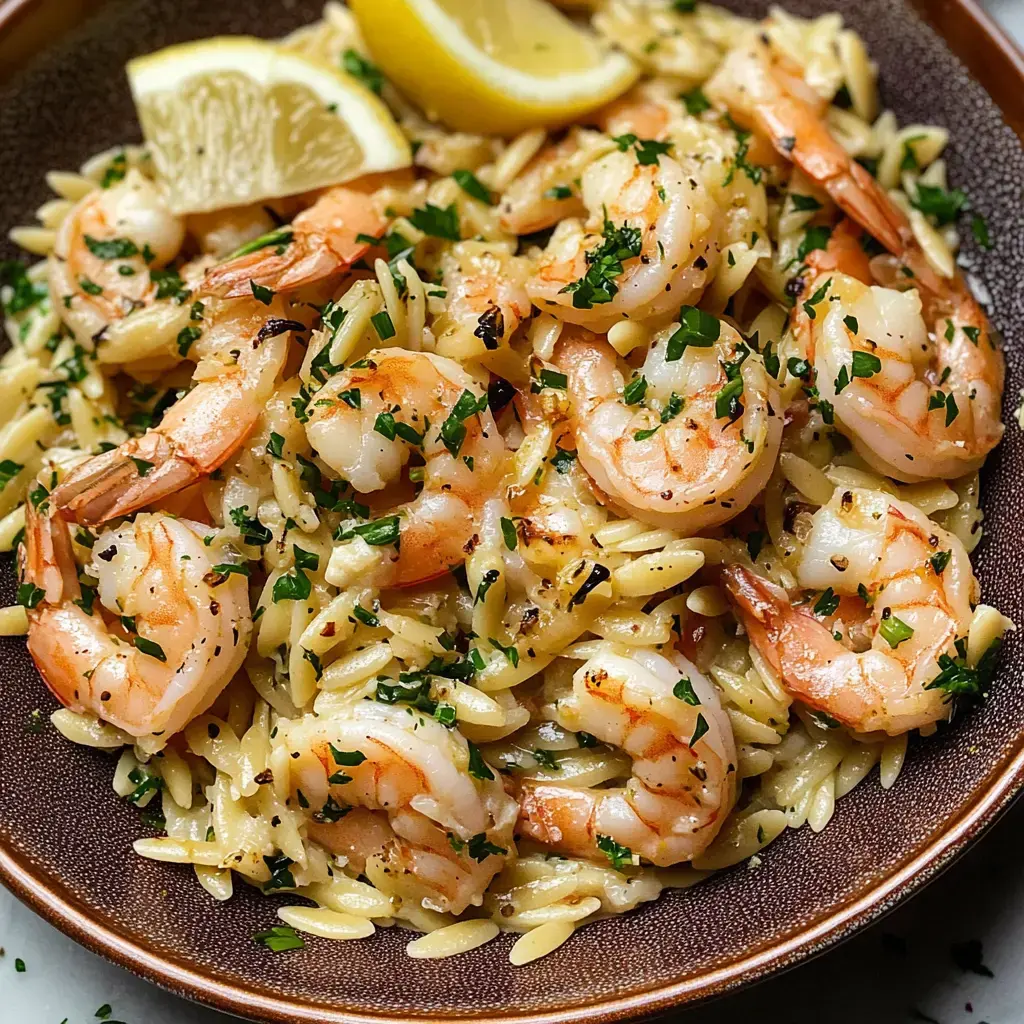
{"points": [[65, 838]]}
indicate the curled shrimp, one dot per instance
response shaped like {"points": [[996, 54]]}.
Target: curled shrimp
{"points": [[159, 638], [916, 579], [104, 266], [707, 451], [658, 249], [449, 829], [485, 304], [321, 242], [661, 711], [241, 349], [916, 404], [545, 192], [925, 399], [433, 408]]}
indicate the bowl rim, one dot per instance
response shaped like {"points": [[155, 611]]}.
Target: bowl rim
{"points": [[998, 65]]}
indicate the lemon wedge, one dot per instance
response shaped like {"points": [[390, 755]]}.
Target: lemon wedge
{"points": [[234, 120], [492, 66]]}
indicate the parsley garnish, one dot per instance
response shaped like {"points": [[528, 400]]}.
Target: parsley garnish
{"points": [[685, 692], [363, 69], [438, 222], [280, 938], [696, 328], [827, 604], [473, 186], [894, 631], [604, 265], [618, 855]]}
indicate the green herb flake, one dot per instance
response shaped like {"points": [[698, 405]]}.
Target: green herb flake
{"points": [[826, 604], [280, 938], [696, 328], [363, 69], [437, 222], [685, 692], [473, 186], [478, 767], [382, 325], [509, 534], [894, 631], [261, 293], [619, 856], [695, 101]]}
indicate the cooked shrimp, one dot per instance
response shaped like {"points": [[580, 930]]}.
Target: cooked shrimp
{"points": [[545, 192], [658, 251], [241, 352], [932, 408], [707, 452], [452, 831], [916, 405], [321, 242], [486, 300], [105, 258], [157, 641], [662, 712], [868, 547], [432, 407]]}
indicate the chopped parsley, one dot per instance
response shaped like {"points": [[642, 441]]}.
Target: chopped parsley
{"points": [[936, 202], [112, 249], [604, 265], [648, 151], [363, 69], [453, 429], [437, 222], [478, 767], [279, 938], [894, 631], [473, 186], [685, 692], [635, 391], [696, 328], [619, 856], [509, 534], [382, 325], [261, 293], [695, 101], [826, 604]]}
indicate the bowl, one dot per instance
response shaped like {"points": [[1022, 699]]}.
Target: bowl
{"points": [[65, 838]]}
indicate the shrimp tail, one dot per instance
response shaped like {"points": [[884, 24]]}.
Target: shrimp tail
{"points": [[323, 241], [47, 558], [788, 638], [141, 471], [553, 814]]}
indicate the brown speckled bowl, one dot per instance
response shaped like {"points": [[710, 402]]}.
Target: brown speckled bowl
{"points": [[65, 839]]}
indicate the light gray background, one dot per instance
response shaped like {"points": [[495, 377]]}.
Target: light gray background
{"points": [[901, 970]]}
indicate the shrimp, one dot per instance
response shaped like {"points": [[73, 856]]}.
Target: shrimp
{"points": [[486, 301], [241, 351], [658, 251], [916, 578], [432, 819], [916, 404], [667, 716], [919, 395], [104, 268], [545, 193], [711, 450], [321, 242], [168, 632], [412, 402]]}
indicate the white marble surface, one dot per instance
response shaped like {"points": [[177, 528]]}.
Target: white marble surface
{"points": [[902, 970]]}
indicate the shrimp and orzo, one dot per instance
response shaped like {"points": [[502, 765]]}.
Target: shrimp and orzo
{"points": [[485, 509]]}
